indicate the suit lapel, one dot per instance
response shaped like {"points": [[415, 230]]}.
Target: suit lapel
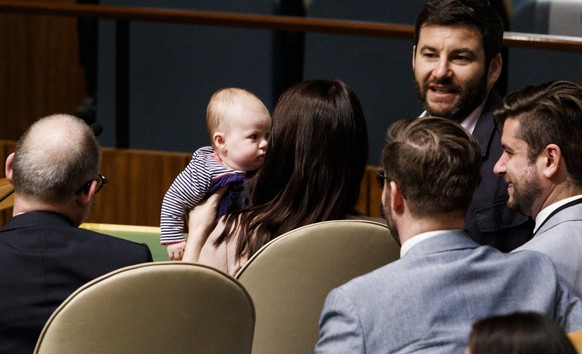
{"points": [[565, 213], [485, 128]]}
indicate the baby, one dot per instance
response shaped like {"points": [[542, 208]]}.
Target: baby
{"points": [[239, 125]]}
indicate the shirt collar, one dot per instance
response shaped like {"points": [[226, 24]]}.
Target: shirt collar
{"points": [[470, 122], [413, 241], [545, 212]]}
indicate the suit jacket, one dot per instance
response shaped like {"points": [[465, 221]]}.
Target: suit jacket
{"points": [[560, 237], [489, 221], [428, 300], [43, 259]]}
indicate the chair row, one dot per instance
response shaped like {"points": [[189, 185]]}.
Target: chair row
{"points": [[272, 305]]}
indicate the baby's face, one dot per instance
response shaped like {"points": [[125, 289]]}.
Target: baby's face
{"points": [[246, 138]]}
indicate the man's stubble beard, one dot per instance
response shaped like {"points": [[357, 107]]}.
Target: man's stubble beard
{"points": [[470, 99]]}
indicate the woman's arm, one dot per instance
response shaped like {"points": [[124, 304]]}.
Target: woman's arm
{"points": [[201, 222]]}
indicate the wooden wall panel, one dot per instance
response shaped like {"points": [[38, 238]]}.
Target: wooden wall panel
{"points": [[40, 72], [6, 148], [371, 194], [138, 180]]}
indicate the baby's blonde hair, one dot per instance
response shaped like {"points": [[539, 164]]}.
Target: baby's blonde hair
{"points": [[220, 106]]}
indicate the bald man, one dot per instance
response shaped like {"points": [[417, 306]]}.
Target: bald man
{"points": [[44, 256]]}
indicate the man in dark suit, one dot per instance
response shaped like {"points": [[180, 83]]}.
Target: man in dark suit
{"points": [[44, 256], [456, 62]]}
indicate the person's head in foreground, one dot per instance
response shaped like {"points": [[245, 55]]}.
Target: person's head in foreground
{"points": [[518, 333], [431, 168]]}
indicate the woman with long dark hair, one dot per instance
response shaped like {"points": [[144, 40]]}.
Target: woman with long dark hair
{"points": [[312, 172]]}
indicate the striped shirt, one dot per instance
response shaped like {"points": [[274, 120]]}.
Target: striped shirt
{"points": [[189, 188]]}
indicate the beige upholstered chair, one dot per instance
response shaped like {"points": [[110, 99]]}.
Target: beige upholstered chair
{"points": [[290, 277], [160, 307], [576, 339]]}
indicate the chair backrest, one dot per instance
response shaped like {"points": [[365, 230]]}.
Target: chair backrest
{"points": [[290, 277], [534, 66], [161, 307], [576, 339]]}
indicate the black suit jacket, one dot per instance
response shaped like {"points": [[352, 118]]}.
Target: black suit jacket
{"points": [[489, 221], [43, 259]]}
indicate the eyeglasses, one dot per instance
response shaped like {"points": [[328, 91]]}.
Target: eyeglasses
{"points": [[101, 181], [380, 177]]}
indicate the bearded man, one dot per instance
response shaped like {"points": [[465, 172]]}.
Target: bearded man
{"points": [[456, 61]]}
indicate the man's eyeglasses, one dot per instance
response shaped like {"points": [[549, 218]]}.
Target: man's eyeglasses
{"points": [[101, 181], [380, 177]]}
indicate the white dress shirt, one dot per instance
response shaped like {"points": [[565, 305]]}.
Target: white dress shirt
{"points": [[470, 121], [413, 241]]}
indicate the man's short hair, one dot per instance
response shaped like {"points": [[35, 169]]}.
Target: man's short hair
{"points": [[435, 163], [477, 13], [549, 113], [54, 157]]}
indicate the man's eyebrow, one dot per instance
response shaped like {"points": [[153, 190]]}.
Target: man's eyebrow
{"points": [[426, 47], [464, 51], [457, 51], [506, 147]]}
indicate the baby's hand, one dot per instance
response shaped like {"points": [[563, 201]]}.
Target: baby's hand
{"points": [[176, 250]]}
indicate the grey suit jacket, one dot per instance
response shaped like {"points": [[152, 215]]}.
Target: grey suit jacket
{"points": [[560, 237], [428, 300]]}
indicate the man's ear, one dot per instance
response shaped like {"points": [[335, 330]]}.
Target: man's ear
{"points": [[553, 159], [84, 198], [8, 167], [413, 57], [495, 67], [219, 141], [396, 198]]}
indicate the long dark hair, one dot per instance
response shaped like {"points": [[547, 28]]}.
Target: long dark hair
{"points": [[313, 167]]}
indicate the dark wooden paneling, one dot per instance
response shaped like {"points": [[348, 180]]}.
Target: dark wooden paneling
{"points": [[371, 194], [138, 180], [6, 148], [40, 73]]}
